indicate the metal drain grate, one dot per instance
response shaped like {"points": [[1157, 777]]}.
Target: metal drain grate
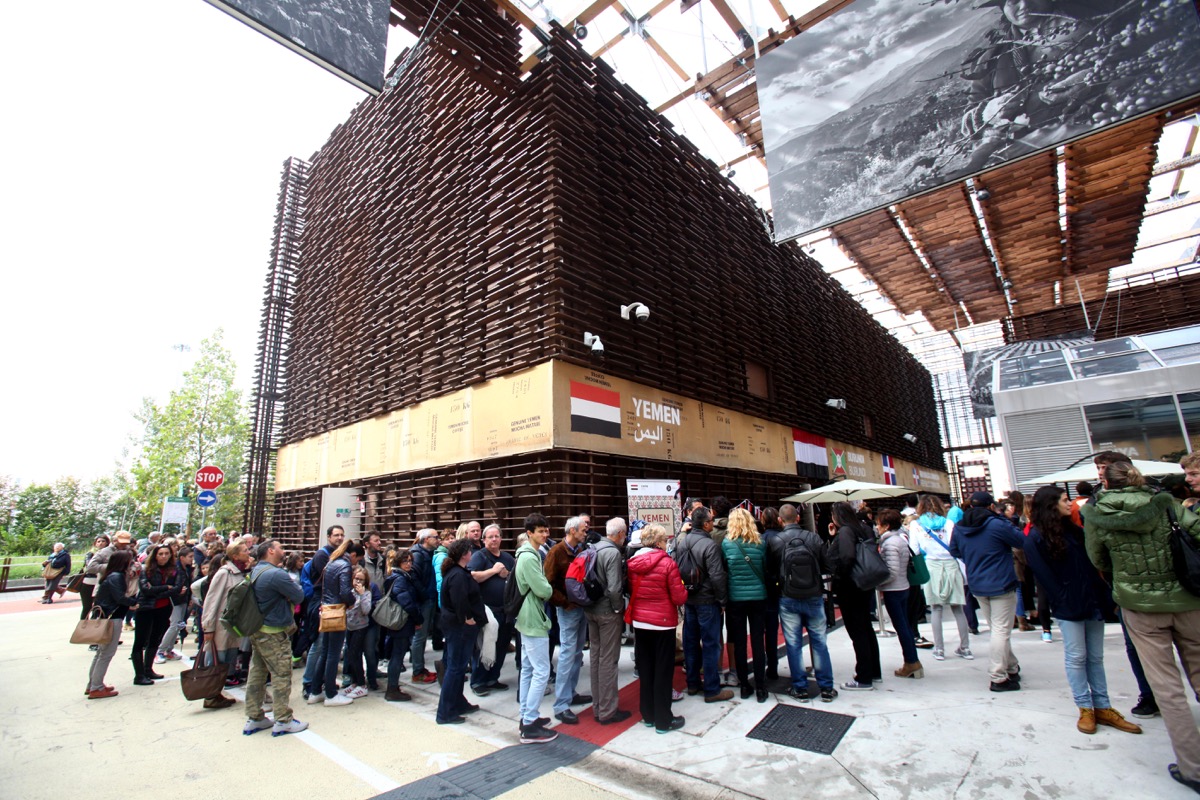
{"points": [[803, 728]]}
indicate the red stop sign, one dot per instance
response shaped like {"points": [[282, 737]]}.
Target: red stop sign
{"points": [[209, 477]]}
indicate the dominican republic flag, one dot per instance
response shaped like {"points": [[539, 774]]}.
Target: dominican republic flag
{"points": [[889, 471], [595, 410], [811, 459], [916, 477]]}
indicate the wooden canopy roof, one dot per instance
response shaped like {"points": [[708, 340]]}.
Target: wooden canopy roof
{"points": [[1020, 239]]}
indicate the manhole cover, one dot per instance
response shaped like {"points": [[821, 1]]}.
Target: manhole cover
{"points": [[803, 728]]}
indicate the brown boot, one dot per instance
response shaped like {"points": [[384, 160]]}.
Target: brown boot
{"points": [[913, 670], [1024, 624], [220, 701], [1087, 721], [1113, 719]]}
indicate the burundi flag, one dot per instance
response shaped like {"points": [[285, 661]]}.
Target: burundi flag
{"points": [[889, 471], [595, 410]]}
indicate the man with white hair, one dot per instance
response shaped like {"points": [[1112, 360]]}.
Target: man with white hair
{"points": [[572, 624], [606, 621], [55, 567]]}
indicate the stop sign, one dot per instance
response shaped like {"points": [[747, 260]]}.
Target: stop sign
{"points": [[209, 477]]}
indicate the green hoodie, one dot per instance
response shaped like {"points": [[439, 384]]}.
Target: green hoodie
{"points": [[1128, 534], [531, 582]]}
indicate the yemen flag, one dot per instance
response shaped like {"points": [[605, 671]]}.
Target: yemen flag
{"points": [[595, 410], [811, 458]]}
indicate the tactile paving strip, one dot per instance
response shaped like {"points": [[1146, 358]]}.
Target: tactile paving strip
{"points": [[803, 728], [496, 773]]}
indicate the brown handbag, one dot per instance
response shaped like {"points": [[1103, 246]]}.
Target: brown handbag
{"points": [[75, 582], [333, 618], [201, 683], [93, 629]]}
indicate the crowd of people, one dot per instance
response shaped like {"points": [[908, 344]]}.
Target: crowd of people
{"points": [[724, 587]]}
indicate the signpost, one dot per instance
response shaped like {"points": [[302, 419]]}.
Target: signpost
{"points": [[208, 478]]}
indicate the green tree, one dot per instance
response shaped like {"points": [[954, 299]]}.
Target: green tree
{"points": [[203, 422]]}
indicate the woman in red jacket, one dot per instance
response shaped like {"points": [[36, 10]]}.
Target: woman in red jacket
{"points": [[656, 593]]}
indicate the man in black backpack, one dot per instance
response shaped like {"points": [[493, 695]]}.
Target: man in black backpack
{"points": [[703, 571], [796, 563]]}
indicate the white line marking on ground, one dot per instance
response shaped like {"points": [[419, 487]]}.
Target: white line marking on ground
{"points": [[337, 755]]}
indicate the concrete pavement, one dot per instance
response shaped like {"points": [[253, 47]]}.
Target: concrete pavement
{"points": [[944, 736]]}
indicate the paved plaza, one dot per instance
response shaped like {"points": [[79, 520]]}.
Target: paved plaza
{"points": [[944, 736]]}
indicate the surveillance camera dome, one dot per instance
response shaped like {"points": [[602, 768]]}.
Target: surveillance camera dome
{"points": [[597, 345], [642, 312]]}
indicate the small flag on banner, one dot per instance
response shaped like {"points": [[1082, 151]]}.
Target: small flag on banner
{"points": [[595, 410], [889, 472]]}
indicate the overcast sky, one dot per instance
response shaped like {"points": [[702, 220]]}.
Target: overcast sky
{"points": [[142, 151]]}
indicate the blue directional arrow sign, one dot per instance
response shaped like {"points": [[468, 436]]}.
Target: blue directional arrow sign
{"points": [[206, 499]]}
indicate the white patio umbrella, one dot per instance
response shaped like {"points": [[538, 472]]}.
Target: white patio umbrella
{"points": [[849, 490], [1087, 472]]}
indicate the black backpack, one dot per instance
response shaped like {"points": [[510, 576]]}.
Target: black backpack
{"points": [[514, 598], [800, 574], [686, 563]]}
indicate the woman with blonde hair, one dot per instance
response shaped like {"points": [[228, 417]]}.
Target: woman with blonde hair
{"points": [[655, 594], [743, 552], [231, 572], [931, 534]]}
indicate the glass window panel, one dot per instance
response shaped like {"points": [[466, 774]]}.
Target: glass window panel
{"points": [[1189, 404], [1034, 361], [1146, 428], [1035, 377], [1115, 365], [1180, 354], [1188, 335], [1102, 348]]}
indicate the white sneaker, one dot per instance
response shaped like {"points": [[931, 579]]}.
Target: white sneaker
{"points": [[253, 726], [159, 658], [313, 699], [356, 692], [338, 700], [291, 726], [174, 655], [939, 655], [964, 653]]}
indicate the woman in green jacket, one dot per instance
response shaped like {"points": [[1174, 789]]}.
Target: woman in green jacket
{"points": [[1128, 534], [743, 552]]}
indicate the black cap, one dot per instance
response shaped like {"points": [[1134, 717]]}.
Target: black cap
{"points": [[982, 500]]}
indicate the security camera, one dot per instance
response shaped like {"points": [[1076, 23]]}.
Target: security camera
{"points": [[640, 310], [837, 403], [984, 194], [593, 341], [910, 437]]}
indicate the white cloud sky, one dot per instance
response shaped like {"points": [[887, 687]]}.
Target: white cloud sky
{"points": [[143, 144]]}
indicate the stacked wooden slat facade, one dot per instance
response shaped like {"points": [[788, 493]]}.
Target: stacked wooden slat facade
{"points": [[456, 234]]}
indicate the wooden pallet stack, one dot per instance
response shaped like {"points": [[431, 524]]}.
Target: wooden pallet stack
{"points": [[455, 235]]}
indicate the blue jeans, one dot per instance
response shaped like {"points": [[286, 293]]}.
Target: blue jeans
{"points": [[572, 631], [315, 654], [328, 669], [401, 640], [1083, 652], [702, 646], [897, 608], [794, 616], [535, 673], [460, 642], [419, 638]]}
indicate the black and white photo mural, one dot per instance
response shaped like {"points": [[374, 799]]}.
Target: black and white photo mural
{"points": [[890, 98], [347, 37]]}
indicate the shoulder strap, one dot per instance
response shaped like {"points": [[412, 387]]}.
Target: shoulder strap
{"points": [[751, 564]]}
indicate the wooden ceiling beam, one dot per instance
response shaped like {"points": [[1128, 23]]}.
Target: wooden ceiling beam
{"points": [[780, 10], [591, 12], [727, 14], [665, 56]]}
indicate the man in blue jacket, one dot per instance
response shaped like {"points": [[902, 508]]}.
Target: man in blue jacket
{"points": [[984, 540], [277, 595], [425, 582]]}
